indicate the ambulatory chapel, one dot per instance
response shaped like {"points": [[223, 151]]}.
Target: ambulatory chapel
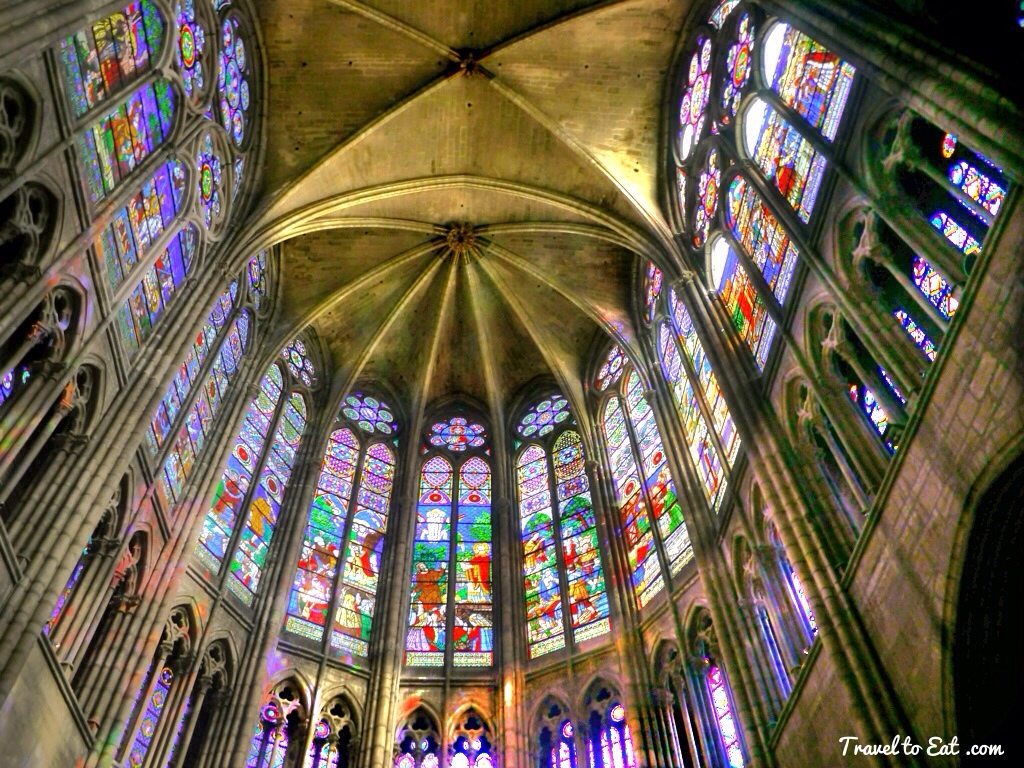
{"points": [[516, 384]]}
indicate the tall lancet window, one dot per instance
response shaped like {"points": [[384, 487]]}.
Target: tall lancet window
{"points": [[351, 505], [454, 495], [642, 479], [563, 577], [279, 412]]}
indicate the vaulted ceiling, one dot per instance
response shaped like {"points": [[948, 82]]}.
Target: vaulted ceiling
{"points": [[464, 189]]}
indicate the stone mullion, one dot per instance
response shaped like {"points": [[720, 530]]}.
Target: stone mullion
{"points": [[904, 61], [780, 604], [186, 670], [843, 638], [271, 605], [28, 451], [29, 605], [772, 697], [89, 598], [712, 567], [26, 413], [24, 528], [666, 727], [505, 539], [387, 676], [201, 689]]}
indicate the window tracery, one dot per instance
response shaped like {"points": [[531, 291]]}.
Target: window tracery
{"points": [[453, 495], [351, 505], [557, 737], [609, 743], [471, 745], [562, 567], [276, 740], [419, 742]]}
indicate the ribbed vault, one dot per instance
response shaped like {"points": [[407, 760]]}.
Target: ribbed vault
{"points": [[533, 128]]}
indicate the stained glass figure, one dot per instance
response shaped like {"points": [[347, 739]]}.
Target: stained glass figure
{"points": [[233, 80], [658, 482], [916, 334], [544, 417], [807, 76], [265, 503], [708, 184], [210, 180], [473, 633], [743, 303], [425, 641], [694, 106], [197, 422], [360, 573], [151, 715], [137, 228], [738, 66], [299, 363], [313, 585], [122, 138], [788, 160], [457, 434], [612, 368], [190, 50], [372, 415], [652, 285], [761, 235], [242, 464], [934, 287], [146, 305], [98, 61], [645, 572], [726, 721]]}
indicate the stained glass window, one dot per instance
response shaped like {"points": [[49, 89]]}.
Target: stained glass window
{"points": [[611, 370], [122, 138], [808, 77], [727, 726], [150, 718], [703, 452], [544, 417], [191, 46], [708, 185], [761, 235], [258, 280], [801, 598], [197, 424], [135, 229], [469, 619], [563, 753], [785, 157], [269, 745], [693, 108], [210, 180], [616, 743], [744, 304], [917, 334], [657, 476], [12, 381], [681, 190], [652, 285], [645, 572], [425, 642], [955, 233], [361, 566], [457, 434], [242, 464], [372, 415], [157, 289], [934, 287], [299, 363], [561, 534], [265, 504], [738, 66], [867, 403], [233, 80], [977, 185], [721, 12], [101, 59]]}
